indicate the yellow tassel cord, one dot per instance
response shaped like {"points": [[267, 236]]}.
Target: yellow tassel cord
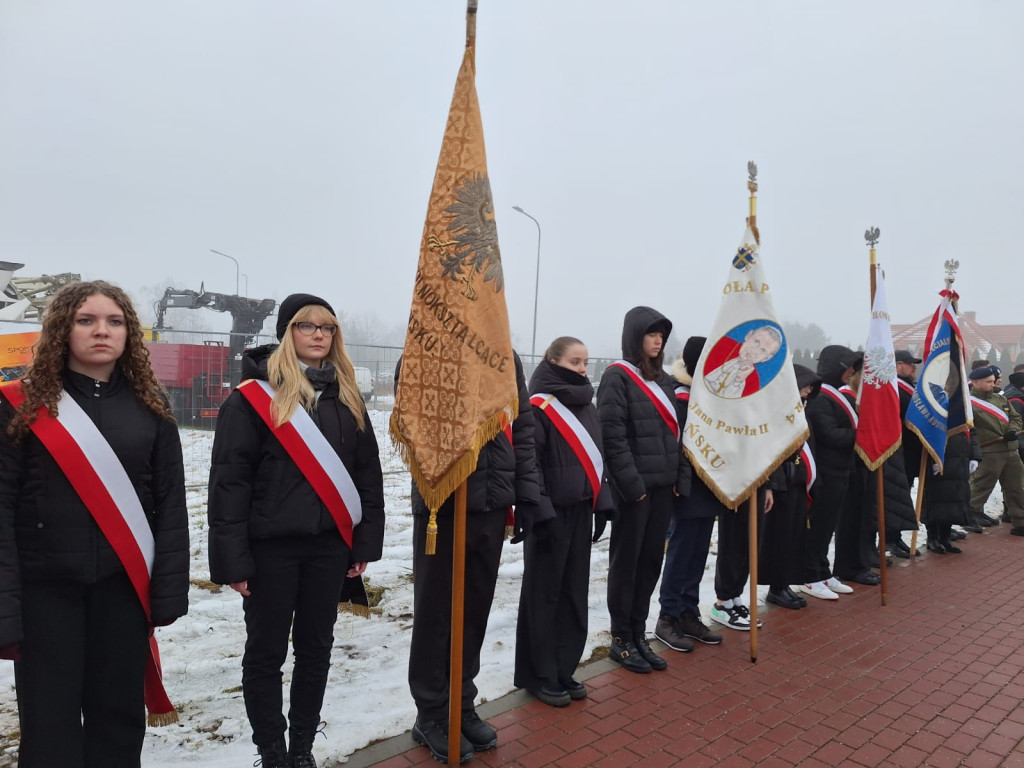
{"points": [[509, 531], [355, 609], [158, 719], [734, 504], [436, 495]]}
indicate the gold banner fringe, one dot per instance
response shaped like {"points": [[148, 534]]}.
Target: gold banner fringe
{"points": [[355, 609], [735, 504], [158, 719], [873, 465], [436, 495]]}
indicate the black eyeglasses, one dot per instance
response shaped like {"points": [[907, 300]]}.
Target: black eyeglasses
{"points": [[308, 329]]}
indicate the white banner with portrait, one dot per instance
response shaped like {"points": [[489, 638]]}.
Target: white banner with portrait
{"points": [[745, 415]]}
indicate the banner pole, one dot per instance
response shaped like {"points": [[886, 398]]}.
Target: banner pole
{"points": [[458, 609], [872, 237], [919, 501], [752, 545]]}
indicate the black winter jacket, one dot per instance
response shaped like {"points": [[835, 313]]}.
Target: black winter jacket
{"points": [[947, 497], [834, 433], [505, 475], [258, 492], [911, 443], [641, 452], [561, 473], [55, 537]]}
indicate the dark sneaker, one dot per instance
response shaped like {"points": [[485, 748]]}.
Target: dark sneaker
{"points": [[667, 630], [575, 688], [644, 647], [626, 654], [692, 626], [551, 696], [433, 734], [479, 732]]}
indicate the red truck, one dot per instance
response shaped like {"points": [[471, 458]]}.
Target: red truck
{"points": [[197, 376]]}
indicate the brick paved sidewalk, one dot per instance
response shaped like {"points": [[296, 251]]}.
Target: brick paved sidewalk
{"points": [[935, 678]]}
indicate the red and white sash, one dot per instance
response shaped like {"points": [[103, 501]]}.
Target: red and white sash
{"points": [[313, 455], [905, 387], [657, 395], [812, 469], [839, 398], [990, 409], [683, 393], [576, 435], [98, 477]]}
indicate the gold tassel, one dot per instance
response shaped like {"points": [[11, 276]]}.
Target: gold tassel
{"points": [[431, 547], [355, 609], [159, 719], [509, 530]]}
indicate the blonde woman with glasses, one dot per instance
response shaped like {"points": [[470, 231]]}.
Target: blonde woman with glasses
{"points": [[296, 505]]}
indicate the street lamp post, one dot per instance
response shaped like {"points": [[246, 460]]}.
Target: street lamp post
{"points": [[536, 284], [237, 272], [246, 277]]}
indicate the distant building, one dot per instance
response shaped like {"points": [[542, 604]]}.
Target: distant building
{"points": [[1002, 344]]}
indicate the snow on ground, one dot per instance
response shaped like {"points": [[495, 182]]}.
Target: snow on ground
{"points": [[367, 694]]}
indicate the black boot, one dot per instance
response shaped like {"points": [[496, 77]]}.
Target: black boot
{"points": [[273, 755], [300, 745]]}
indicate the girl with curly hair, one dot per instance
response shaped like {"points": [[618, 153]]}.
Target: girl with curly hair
{"points": [[73, 603], [277, 534]]}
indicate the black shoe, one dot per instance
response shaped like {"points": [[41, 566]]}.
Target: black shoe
{"points": [[479, 733], [626, 654], [273, 755], [300, 745], [1017, 531], [972, 527], [947, 545], [955, 534], [551, 696], [671, 634], [780, 598], [897, 545], [985, 521], [799, 598], [575, 688], [936, 547], [644, 647], [433, 734], [692, 626], [1005, 518], [867, 578], [901, 553]]}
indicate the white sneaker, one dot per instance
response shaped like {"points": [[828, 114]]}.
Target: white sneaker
{"points": [[837, 586], [731, 617], [818, 589]]}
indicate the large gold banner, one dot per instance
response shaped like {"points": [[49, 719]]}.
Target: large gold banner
{"points": [[457, 388]]}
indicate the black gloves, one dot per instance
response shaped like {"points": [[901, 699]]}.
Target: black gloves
{"points": [[1010, 435]]}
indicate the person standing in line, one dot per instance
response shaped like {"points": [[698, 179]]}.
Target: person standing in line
{"points": [[833, 421], [906, 368], [296, 505], [782, 537], [647, 470], [506, 475], [997, 424], [551, 633], [693, 520], [947, 496], [76, 609]]}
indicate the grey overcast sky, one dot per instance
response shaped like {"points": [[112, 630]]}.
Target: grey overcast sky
{"points": [[301, 138]]}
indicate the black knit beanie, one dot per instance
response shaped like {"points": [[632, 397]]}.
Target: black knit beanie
{"points": [[691, 352], [293, 304]]}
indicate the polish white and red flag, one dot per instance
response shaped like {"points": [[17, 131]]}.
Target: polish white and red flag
{"points": [[879, 430]]}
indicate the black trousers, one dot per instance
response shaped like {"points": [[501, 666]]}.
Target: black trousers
{"points": [[295, 588], [857, 525], [636, 551], [430, 650], [551, 632], [780, 556], [732, 568], [80, 680], [824, 514]]}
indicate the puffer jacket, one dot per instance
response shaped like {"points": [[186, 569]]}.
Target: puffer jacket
{"points": [[834, 433], [561, 473], [506, 474], [258, 492], [48, 534], [641, 452], [947, 497]]}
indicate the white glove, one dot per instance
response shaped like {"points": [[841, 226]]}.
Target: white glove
{"points": [[972, 465], [935, 469]]}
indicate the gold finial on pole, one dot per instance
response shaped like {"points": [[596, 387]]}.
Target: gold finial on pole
{"points": [[871, 236], [752, 187], [471, 23], [952, 265]]}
